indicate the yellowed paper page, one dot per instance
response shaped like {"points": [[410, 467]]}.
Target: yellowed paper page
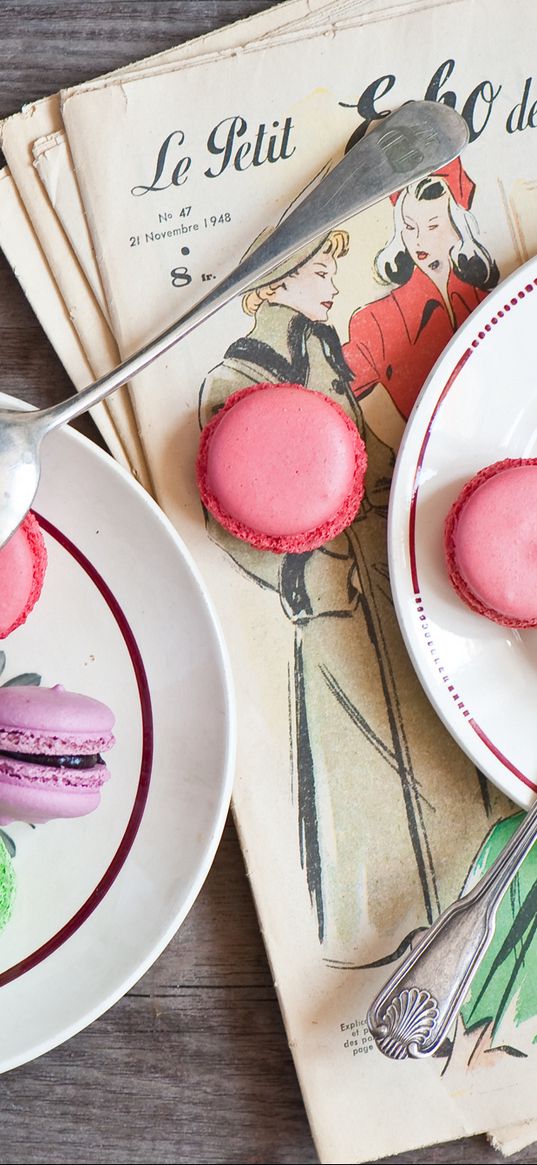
{"points": [[513, 1139], [53, 164], [522, 205], [51, 154], [17, 136], [25, 256], [333, 726]]}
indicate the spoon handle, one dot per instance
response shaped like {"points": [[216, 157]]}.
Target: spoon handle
{"points": [[416, 1007], [405, 146]]}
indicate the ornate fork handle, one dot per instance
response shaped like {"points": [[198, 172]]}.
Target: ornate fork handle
{"points": [[416, 1007]]}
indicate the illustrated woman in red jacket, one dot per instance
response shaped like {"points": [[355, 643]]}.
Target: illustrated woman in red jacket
{"points": [[439, 272]]}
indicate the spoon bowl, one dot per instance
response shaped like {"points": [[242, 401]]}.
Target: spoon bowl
{"points": [[20, 468]]}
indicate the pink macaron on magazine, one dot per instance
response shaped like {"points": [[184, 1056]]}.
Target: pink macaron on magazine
{"points": [[282, 467]]}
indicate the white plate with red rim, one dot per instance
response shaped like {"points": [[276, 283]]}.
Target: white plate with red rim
{"points": [[478, 406], [124, 616]]}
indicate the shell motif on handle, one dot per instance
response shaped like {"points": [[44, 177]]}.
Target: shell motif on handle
{"points": [[406, 1024]]}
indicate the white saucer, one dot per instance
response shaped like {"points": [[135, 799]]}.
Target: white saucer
{"points": [[124, 617], [478, 406]]}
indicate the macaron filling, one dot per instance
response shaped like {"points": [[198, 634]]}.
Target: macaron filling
{"points": [[25, 773], [68, 762]]}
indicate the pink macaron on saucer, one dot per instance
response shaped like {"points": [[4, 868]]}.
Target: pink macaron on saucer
{"points": [[281, 467], [490, 541], [51, 742], [23, 562]]}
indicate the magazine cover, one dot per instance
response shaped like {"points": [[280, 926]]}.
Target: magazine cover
{"points": [[359, 816], [41, 169]]}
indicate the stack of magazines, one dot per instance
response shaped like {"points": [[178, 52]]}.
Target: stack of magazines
{"points": [[121, 202]]}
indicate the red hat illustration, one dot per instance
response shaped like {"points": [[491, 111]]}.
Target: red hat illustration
{"points": [[460, 185]]}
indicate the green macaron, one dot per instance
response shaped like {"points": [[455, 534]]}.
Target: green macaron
{"points": [[7, 885]]}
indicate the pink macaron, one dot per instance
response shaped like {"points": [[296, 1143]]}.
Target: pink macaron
{"points": [[282, 467], [51, 742], [491, 542], [23, 561]]}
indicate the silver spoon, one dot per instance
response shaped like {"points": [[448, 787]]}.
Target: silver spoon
{"points": [[403, 147], [414, 1011]]}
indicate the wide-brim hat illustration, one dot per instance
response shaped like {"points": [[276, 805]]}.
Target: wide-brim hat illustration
{"points": [[298, 257], [289, 265]]}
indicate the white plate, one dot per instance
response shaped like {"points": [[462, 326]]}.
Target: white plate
{"points": [[124, 617], [478, 406]]}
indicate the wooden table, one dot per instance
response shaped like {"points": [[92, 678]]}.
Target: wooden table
{"points": [[192, 1065]]}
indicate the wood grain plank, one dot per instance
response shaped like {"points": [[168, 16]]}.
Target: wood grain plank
{"points": [[193, 1064]]}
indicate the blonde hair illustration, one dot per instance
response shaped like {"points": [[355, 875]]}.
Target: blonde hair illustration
{"points": [[334, 246]]}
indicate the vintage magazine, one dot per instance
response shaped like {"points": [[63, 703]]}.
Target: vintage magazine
{"points": [[52, 162], [348, 790], [17, 134], [23, 252], [59, 222], [34, 143]]}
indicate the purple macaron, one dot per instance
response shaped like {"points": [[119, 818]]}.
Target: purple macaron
{"points": [[51, 742]]}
